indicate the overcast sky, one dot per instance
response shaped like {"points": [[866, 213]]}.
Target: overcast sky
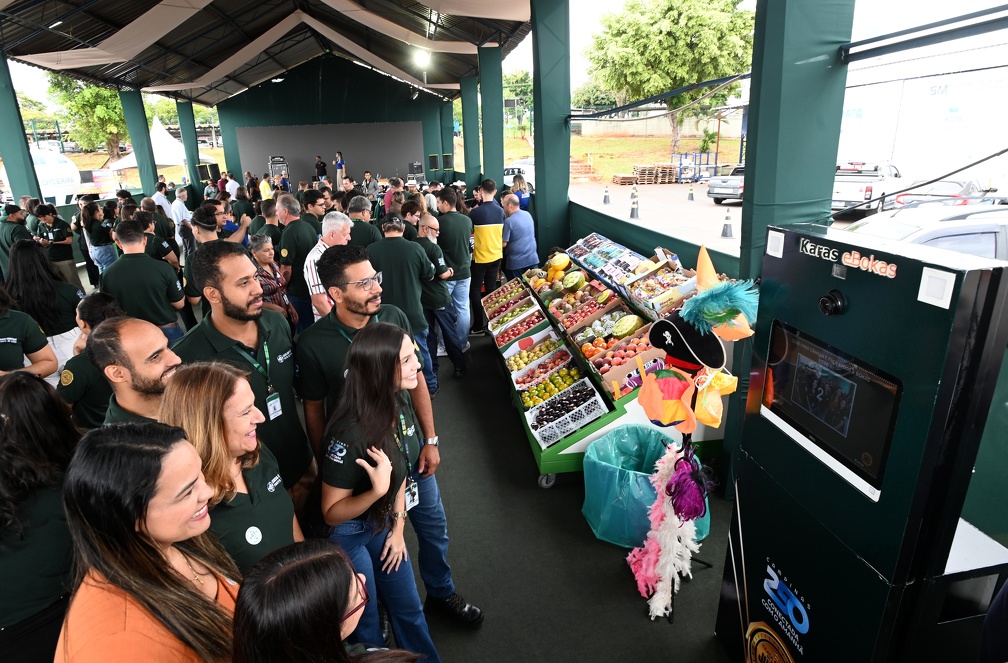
{"points": [[871, 17]]}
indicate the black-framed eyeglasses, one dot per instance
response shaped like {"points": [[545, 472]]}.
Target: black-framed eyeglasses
{"points": [[364, 600], [365, 284]]}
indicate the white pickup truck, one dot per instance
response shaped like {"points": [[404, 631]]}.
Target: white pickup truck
{"points": [[857, 181]]}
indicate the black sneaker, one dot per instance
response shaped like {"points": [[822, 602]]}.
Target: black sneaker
{"points": [[478, 332], [460, 372], [385, 624], [466, 614]]}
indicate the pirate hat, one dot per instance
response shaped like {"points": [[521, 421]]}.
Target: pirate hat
{"points": [[686, 345]]}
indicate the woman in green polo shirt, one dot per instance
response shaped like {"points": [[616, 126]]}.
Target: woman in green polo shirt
{"points": [[99, 230], [40, 292], [81, 384], [250, 512], [23, 344], [35, 549]]}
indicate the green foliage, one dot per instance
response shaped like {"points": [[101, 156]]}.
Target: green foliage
{"points": [[94, 115], [592, 95], [32, 109], [708, 140], [654, 46], [518, 86]]}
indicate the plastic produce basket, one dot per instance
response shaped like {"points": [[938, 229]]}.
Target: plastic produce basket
{"points": [[548, 434]]}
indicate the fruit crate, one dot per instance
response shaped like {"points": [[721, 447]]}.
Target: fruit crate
{"points": [[590, 410], [591, 290], [562, 351], [569, 365], [531, 342], [533, 321], [494, 311], [503, 293], [497, 324]]}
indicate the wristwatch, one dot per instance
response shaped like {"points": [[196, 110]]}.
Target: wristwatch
{"points": [[433, 441]]}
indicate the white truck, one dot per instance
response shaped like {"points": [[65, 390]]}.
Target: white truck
{"points": [[727, 187], [858, 181]]}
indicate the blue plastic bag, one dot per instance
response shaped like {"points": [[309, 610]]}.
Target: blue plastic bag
{"points": [[618, 490]]}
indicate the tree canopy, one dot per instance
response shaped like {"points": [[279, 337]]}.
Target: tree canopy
{"points": [[592, 95], [167, 111], [654, 46], [94, 114]]}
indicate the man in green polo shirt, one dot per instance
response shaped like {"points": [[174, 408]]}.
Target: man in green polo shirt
{"points": [[313, 209], [156, 247], [363, 233], [134, 357], [436, 300], [297, 241], [54, 233], [355, 288], [454, 240], [405, 267], [145, 288], [12, 229], [239, 331]]}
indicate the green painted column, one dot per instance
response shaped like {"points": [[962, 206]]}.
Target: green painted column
{"points": [[21, 179], [136, 122], [795, 109], [447, 141], [431, 137], [551, 99], [492, 98], [470, 131], [187, 126]]}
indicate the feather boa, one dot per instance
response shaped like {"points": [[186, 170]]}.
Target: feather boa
{"points": [[668, 550]]}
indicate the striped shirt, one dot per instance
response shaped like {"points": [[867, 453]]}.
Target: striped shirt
{"points": [[311, 276]]}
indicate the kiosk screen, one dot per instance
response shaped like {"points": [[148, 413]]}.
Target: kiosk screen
{"points": [[840, 409]]}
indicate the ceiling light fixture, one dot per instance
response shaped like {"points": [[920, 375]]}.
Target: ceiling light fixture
{"points": [[278, 80], [422, 58], [416, 93], [56, 24]]}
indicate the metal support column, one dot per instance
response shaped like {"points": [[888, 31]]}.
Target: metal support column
{"points": [[551, 100], [187, 127], [13, 144], [136, 122], [447, 142], [492, 97], [471, 131]]}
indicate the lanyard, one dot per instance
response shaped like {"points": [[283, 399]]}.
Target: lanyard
{"points": [[350, 340], [404, 444], [262, 371]]}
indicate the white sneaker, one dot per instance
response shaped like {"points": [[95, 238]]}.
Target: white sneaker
{"points": [[441, 352], [466, 348]]}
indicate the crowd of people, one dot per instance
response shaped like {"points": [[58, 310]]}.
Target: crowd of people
{"points": [[212, 455]]}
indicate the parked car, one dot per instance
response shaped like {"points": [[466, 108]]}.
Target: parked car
{"points": [[727, 187], [523, 167], [980, 231], [858, 181], [203, 144], [944, 192]]}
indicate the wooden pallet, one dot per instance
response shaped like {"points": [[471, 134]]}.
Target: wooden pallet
{"points": [[666, 173], [646, 174], [624, 179]]}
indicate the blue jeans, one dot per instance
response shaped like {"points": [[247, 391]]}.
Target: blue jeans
{"points": [[104, 256], [445, 319], [431, 527], [397, 590], [306, 314], [459, 291], [515, 273], [430, 377]]}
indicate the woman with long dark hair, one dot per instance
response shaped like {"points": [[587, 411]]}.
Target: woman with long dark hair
{"points": [[29, 341], [372, 441], [288, 605], [150, 583], [98, 225], [40, 292], [81, 384], [35, 551], [249, 512]]}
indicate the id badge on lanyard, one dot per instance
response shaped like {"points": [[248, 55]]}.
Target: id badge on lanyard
{"points": [[412, 490]]}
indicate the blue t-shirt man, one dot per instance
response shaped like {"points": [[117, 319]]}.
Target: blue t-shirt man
{"points": [[520, 251]]}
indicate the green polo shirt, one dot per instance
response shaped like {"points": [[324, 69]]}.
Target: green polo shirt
{"points": [[273, 232], [404, 267], [32, 223], [144, 287], [156, 247], [322, 351], [344, 447], [117, 415], [297, 241], [363, 234], [101, 232], [254, 524], [258, 222], [410, 232], [68, 296], [435, 293], [36, 569], [456, 230], [164, 228], [315, 222], [86, 390], [283, 435], [59, 231], [20, 335], [239, 207], [10, 232]]}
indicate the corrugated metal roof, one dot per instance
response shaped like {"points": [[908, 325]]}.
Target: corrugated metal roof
{"points": [[213, 34]]}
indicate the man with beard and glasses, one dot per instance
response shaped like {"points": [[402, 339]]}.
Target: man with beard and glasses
{"points": [[355, 288], [239, 331], [134, 357]]}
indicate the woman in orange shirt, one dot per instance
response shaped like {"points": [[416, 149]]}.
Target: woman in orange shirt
{"points": [[151, 584]]}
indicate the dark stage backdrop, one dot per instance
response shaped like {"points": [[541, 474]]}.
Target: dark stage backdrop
{"points": [[386, 148]]}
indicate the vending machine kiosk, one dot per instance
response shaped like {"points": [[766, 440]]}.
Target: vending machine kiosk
{"points": [[874, 367]]}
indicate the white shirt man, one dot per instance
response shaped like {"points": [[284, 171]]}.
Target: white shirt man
{"points": [[160, 199], [335, 232], [180, 214], [232, 186]]}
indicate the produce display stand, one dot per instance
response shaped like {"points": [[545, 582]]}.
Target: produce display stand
{"points": [[559, 446]]}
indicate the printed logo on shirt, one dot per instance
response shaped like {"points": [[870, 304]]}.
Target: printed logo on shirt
{"points": [[80, 294], [336, 452], [253, 535], [285, 356], [441, 262], [11, 339], [66, 377], [411, 430], [283, 253], [178, 285], [273, 483]]}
